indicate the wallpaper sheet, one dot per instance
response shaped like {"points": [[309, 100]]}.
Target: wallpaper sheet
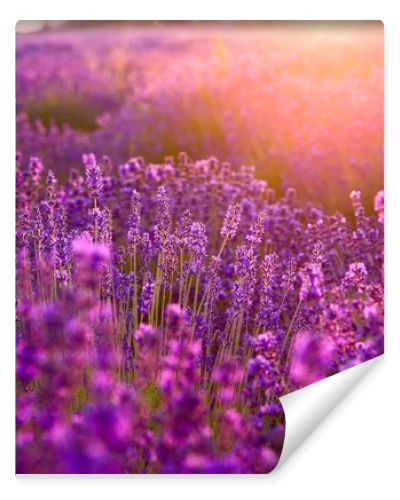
{"points": [[199, 232]]}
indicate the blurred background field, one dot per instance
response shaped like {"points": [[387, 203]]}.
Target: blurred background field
{"points": [[302, 102]]}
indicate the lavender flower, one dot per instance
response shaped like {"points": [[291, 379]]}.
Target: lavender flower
{"points": [[146, 249], [35, 169], [147, 294], [231, 221], [197, 242], [90, 258], [355, 277], [311, 282], [257, 229], [245, 268], [183, 230], [164, 221], [134, 223], [267, 307], [51, 183], [61, 247], [313, 358], [94, 176], [289, 277]]}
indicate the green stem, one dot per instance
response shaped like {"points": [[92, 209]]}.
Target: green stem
{"points": [[171, 288], [238, 330], [162, 305], [188, 292], [291, 325], [196, 294], [206, 291], [154, 305], [95, 220], [135, 291], [222, 248], [180, 277]]}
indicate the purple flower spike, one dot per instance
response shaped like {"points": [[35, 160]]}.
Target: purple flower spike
{"points": [[231, 221], [312, 359], [94, 176]]}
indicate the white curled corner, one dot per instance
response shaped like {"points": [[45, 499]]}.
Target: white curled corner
{"points": [[306, 408]]}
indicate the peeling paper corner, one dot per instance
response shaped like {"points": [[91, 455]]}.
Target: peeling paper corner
{"points": [[307, 408]]}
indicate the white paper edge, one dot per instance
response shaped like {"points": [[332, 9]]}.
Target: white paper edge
{"points": [[307, 408]]}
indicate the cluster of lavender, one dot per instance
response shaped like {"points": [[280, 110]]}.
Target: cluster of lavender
{"points": [[163, 309], [304, 107]]}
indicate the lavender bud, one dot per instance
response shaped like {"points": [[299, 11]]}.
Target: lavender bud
{"points": [[134, 223], [183, 228], [231, 221], [311, 282], [51, 183], [164, 222], [198, 246], [94, 176], [147, 293]]}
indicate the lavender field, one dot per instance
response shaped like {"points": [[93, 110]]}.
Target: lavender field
{"points": [[200, 230]]}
